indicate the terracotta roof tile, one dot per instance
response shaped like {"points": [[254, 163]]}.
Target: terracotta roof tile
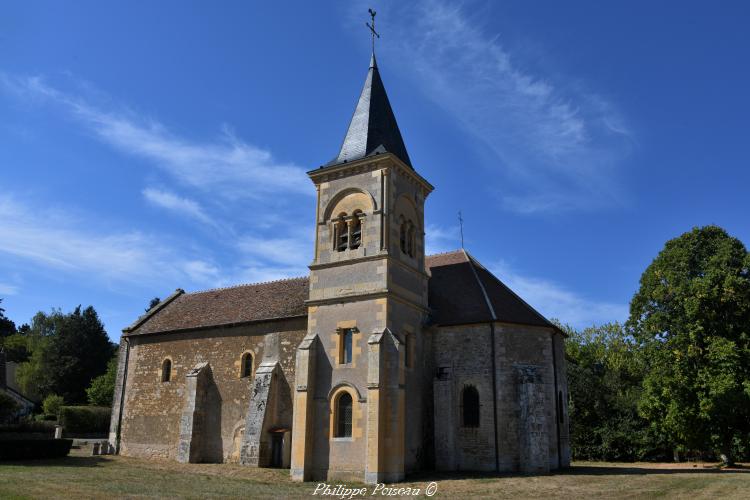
{"points": [[228, 306]]}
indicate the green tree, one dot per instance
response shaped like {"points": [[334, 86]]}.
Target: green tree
{"points": [[605, 372], [80, 351], [102, 388], [7, 327], [67, 352], [153, 303], [691, 316]]}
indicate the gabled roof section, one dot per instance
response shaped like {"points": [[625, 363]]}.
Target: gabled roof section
{"points": [[463, 291], [225, 307], [373, 129]]}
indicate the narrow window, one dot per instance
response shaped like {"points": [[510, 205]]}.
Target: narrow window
{"points": [[403, 236], [470, 399], [410, 240], [346, 345], [443, 373], [247, 364], [356, 230], [344, 415], [560, 406], [407, 350], [342, 234], [166, 370]]}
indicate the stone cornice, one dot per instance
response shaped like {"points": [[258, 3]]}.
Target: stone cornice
{"points": [[385, 161]]}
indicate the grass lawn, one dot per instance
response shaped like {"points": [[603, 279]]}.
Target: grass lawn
{"points": [[81, 476]]}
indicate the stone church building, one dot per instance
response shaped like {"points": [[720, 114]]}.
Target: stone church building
{"points": [[380, 362]]}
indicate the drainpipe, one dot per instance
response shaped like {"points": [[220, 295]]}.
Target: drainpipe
{"points": [[122, 395], [494, 397], [557, 401]]}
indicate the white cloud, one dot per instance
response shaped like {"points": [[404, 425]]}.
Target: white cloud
{"points": [[228, 167], [555, 301], [54, 240], [6, 289], [183, 206], [559, 145], [439, 239]]}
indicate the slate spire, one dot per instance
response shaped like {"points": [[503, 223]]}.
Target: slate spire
{"points": [[373, 128]]}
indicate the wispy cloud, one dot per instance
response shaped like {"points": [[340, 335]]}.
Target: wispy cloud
{"points": [[6, 289], [178, 204], [54, 240], [556, 301], [440, 239], [228, 166], [558, 145]]}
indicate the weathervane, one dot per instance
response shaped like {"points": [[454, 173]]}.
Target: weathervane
{"points": [[372, 29]]}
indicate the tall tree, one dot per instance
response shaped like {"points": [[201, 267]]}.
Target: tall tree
{"points": [[80, 351], [605, 372], [692, 318], [68, 351], [7, 327]]}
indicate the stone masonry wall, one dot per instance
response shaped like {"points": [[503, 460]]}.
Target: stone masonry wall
{"points": [[152, 409]]}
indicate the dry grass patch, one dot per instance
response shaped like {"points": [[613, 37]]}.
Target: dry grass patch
{"points": [[81, 476]]}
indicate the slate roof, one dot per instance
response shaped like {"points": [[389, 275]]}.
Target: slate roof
{"points": [[373, 128], [461, 291]]}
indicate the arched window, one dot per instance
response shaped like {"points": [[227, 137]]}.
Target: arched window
{"points": [[470, 402], [166, 370], [344, 415], [403, 235], [342, 234], [246, 365], [411, 240], [355, 228]]}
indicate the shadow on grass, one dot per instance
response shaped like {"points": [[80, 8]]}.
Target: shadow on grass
{"points": [[58, 462], [635, 470], [578, 470]]}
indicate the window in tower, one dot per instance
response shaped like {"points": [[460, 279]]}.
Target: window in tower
{"points": [[345, 345], [403, 235], [342, 234], [356, 230], [344, 415]]}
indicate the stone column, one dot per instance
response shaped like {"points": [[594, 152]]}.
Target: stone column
{"points": [[255, 449], [193, 417], [373, 463], [304, 408], [534, 436], [117, 399]]}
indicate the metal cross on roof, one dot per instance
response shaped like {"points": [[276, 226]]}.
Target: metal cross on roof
{"points": [[372, 28]]}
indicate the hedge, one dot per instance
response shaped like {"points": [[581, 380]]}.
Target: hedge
{"points": [[14, 449], [85, 421]]}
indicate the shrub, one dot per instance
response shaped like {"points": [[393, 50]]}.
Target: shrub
{"points": [[85, 420], [14, 449], [52, 404]]}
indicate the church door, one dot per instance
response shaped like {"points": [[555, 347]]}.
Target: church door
{"points": [[277, 445]]}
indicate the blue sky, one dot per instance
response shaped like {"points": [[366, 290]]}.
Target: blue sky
{"points": [[146, 146]]}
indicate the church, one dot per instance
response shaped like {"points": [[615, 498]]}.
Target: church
{"points": [[380, 362]]}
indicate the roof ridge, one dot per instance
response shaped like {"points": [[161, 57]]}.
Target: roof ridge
{"points": [[241, 285], [444, 253]]}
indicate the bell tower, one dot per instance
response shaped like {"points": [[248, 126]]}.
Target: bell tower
{"points": [[360, 361]]}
